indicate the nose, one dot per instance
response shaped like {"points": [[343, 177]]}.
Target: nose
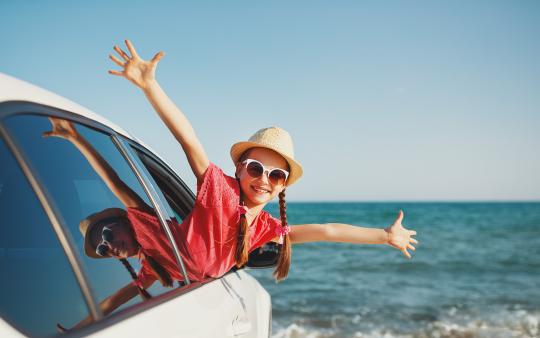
{"points": [[264, 177]]}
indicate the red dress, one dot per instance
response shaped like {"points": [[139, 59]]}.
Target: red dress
{"points": [[207, 237]]}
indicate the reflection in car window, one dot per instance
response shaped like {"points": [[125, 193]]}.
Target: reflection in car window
{"points": [[105, 207], [35, 273], [178, 198]]}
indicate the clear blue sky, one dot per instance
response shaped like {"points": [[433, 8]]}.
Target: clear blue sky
{"points": [[385, 100]]}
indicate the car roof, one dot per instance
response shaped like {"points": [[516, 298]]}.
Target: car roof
{"points": [[13, 89]]}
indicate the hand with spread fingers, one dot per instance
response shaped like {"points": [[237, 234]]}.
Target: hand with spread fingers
{"points": [[135, 69], [62, 128], [401, 238]]}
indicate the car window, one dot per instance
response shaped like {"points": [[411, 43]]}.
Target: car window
{"points": [[179, 198], [103, 205], [37, 286]]}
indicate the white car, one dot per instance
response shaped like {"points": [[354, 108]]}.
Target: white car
{"points": [[49, 185]]}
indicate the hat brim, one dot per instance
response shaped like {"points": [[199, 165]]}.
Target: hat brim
{"points": [[239, 148]]}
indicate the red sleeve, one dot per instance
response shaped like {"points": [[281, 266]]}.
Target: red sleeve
{"points": [[267, 232], [274, 224], [214, 187]]}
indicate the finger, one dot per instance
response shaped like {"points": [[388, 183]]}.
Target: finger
{"points": [[399, 217], [414, 241], [406, 253], [409, 246], [131, 49], [54, 120], [158, 57], [115, 72], [412, 232], [121, 53], [115, 60]]}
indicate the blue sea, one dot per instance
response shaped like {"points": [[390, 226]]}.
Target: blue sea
{"points": [[475, 273]]}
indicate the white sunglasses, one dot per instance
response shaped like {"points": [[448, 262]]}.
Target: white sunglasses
{"points": [[256, 169]]}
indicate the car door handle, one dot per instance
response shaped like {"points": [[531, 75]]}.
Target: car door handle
{"points": [[240, 326]]}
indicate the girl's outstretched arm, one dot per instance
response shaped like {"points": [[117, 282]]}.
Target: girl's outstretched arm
{"points": [[142, 74], [395, 235]]}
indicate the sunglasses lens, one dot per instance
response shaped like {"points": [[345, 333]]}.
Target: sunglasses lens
{"points": [[277, 177], [102, 250], [107, 234], [255, 169]]}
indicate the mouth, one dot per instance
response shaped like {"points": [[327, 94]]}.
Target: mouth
{"points": [[260, 190], [119, 250]]}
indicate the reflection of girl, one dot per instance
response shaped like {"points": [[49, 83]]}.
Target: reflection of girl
{"points": [[115, 232], [118, 233]]}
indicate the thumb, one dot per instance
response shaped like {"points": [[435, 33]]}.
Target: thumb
{"points": [[158, 57], [399, 217]]}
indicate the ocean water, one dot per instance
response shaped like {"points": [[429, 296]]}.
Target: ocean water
{"points": [[475, 273]]}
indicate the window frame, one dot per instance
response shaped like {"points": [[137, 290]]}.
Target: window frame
{"points": [[123, 143], [49, 206], [154, 198], [187, 195]]}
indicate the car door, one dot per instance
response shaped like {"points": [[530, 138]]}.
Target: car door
{"points": [[71, 187]]}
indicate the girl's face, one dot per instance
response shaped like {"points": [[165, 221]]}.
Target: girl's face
{"points": [[259, 190], [116, 240]]}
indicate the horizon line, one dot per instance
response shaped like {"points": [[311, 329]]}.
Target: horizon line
{"points": [[409, 201]]}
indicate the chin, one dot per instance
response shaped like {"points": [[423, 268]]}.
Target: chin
{"points": [[260, 199], [263, 199]]}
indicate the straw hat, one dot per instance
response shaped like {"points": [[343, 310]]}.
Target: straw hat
{"points": [[86, 225], [273, 138]]}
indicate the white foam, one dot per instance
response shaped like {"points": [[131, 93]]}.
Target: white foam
{"points": [[500, 324]]}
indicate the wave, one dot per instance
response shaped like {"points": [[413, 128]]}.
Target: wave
{"points": [[518, 323]]}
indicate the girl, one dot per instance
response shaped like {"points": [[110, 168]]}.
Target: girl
{"points": [[265, 167], [227, 221]]}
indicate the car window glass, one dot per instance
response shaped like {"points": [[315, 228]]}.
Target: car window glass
{"points": [[179, 199], [37, 286], [103, 204]]}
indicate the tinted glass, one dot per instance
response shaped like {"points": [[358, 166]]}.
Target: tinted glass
{"points": [[37, 286], [93, 186], [179, 199]]}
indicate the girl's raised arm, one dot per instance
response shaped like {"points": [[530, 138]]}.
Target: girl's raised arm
{"points": [[142, 74], [66, 129]]}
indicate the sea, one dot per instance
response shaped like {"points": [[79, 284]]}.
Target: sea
{"points": [[475, 273]]}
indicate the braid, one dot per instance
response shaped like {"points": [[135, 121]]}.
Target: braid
{"points": [[284, 260], [162, 274], [282, 208], [144, 294], [242, 245]]}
